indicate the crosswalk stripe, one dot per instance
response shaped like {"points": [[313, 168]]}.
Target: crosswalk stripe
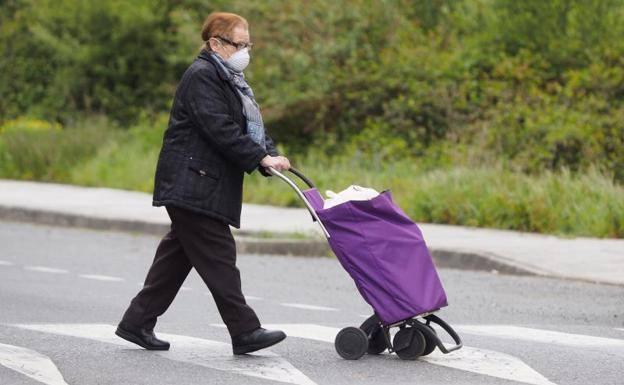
{"points": [[101, 277], [211, 354], [490, 363], [309, 307], [481, 361], [31, 364], [308, 331], [44, 269], [541, 335], [247, 297]]}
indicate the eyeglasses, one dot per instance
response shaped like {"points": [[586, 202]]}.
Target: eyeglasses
{"points": [[238, 46]]}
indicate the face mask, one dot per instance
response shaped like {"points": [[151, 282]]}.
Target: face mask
{"points": [[239, 60]]}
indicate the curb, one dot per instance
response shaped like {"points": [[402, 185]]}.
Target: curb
{"points": [[481, 261], [53, 218], [246, 243]]}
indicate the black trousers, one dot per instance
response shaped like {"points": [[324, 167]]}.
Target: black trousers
{"points": [[206, 244]]}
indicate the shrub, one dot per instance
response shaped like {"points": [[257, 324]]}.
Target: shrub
{"points": [[32, 149], [129, 162]]}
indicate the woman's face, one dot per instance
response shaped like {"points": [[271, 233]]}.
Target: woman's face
{"points": [[239, 36]]}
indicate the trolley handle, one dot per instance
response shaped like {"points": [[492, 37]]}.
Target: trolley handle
{"points": [[302, 177], [300, 193]]}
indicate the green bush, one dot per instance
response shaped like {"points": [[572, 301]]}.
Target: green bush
{"points": [[473, 111], [128, 162], [111, 57], [35, 150], [24, 124], [534, 85], [97, 154]]}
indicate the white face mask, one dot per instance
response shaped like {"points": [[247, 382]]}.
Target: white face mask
{"points": [[239, 60]]}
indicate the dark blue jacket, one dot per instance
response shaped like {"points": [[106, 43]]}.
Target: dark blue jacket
{"points": [[205, 149]]}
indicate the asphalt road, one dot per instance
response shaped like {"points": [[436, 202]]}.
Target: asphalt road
{"points": [[62, 291]]}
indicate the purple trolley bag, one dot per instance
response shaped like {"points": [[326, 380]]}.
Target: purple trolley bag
{"points": [[384, 252]]}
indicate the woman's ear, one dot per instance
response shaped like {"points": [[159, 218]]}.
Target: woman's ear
{"points": [[214, 44]]}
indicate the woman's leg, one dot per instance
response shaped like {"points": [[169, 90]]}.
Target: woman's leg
{"points": [[165, 277], [210, 247]]}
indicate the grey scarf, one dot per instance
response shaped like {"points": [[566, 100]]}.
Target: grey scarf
{"points": [[251, 110]]}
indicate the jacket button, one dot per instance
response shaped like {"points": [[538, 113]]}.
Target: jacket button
{"points": [[202, 172], [190, 157]]}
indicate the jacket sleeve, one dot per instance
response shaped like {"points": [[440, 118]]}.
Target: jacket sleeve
{"points": [[272, 150], [210, 112], [270, 146]]}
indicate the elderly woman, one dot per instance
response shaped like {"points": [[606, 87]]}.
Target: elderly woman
{"points": [[215, 134]]}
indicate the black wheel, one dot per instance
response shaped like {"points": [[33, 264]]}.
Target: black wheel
{"points": [[430, 343], [375, 334], [351, 343], [409, 343]]}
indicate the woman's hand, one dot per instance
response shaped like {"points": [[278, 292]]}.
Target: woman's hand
{"points": [[280, 163]]}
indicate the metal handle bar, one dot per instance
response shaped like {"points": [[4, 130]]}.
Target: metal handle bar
{"points": [[447, 328], [300, 193]]}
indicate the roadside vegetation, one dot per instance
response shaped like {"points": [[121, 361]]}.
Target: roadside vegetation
{"points": [[493, 113]]}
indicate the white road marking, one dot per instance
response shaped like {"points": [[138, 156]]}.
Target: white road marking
{"points": [[481, 361], [197, 351], [540, 335], [308, 331], [44, 269], [31, 364], [490, 363], [309, 307], [6, 263], [247, 297], [101, 277]]}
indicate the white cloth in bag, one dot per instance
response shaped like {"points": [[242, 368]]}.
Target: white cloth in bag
{"points": [[351, 193]]}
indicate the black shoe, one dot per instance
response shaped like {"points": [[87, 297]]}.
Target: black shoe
{"points": [[142, 337], [256, 340]]}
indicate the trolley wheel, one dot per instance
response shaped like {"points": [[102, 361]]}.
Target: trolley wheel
{"points": [[409, 343], [375, 334], [430, 343], [351, 343]]}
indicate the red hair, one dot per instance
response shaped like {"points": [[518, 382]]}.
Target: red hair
{"points": [[221, 24]]}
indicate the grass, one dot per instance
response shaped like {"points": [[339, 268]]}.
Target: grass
{"points": [[562, 203], [34, 151], [554, 203], [126, 163]]}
